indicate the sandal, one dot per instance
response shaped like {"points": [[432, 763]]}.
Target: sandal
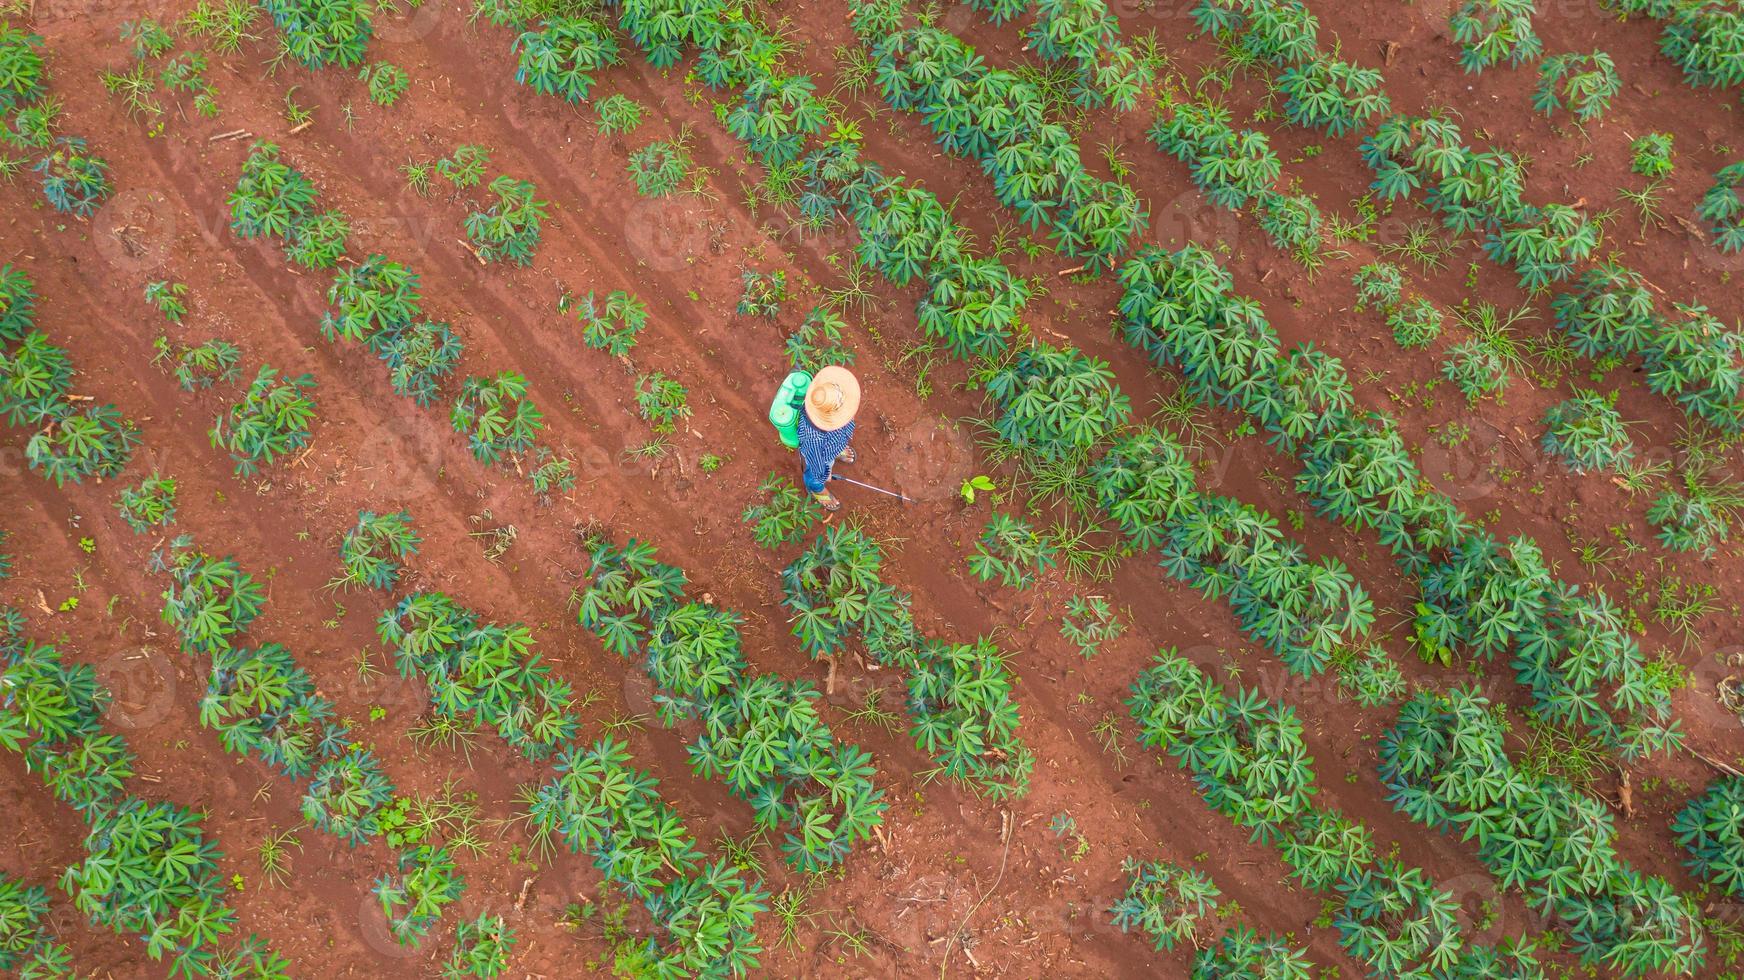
{"points": [[846, 455], [827, 500]]}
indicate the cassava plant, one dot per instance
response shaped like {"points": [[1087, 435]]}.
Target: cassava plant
{"points": [[1166, 902], [464, 168], [817, 342], [93, 441], [1088, 623], [564, 55], [1490, 32], [1054, 403], [149, 504], [496, 416], [1582, 83], [1587, 433], [662, 401], [763, 293], [322, 33], [659, 168], [167, 297], [271, 421], [610, 324], [509, 228], [1651, 156], [1722, 208], [1711, 832], [373, 550], [385, 82], [198, 368], [73, 179], [1012, 551], [785, 517]]}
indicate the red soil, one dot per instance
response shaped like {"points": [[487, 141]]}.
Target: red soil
{"points": [[1029, 907]]}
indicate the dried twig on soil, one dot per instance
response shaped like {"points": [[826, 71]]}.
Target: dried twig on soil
{"points": [[951, 940]]}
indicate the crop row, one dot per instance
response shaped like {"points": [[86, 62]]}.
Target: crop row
{"points": [[67, 442], [262, 705], [1706, 40], [995, 117], [598, 803], [959, 694], [1572, 651], [378, 302], [148, 869], [1248, 761], [761, 735], [74, 180], [26, 943], [1446, 767]]}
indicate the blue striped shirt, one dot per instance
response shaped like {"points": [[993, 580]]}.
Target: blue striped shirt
{"points": [[818, 450]]}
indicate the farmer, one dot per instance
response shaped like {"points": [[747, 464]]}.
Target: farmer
{"points": [[825, 427]]}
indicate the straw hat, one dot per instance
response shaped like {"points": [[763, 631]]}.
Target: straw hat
{"points": [[833, 398]]}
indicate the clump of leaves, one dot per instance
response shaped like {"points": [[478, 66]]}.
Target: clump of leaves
{"points": [[419, 356], [1090, 622], [550, 474], [785, 517], [1164, 901], [333, 32], [1378, 284], [1583, 83], [1711, 831], [373, 550], [21, 67], [151, 503], [225, 25], [611, 325], [94, 441], [509, 228], [818, 342], [271, 420], [199, 367], [1416, 323], [1697, 513], [496, 416], [386, 82], [346, 796], [1054, 402], [1369, 676], [662, 401], [1652, 156], [1490, 32], [763, 293], [413, 898], [1475, 369], [372, 296], [1012, 551], [17, 304], [659, 168], [167, 297], [561, 58], [465, 168], [1723, 208], [481, 949], [73, 180], [1587, 433], [618, 113]]}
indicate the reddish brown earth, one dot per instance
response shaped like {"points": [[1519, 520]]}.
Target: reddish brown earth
{"points": [[1029, 908]]}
